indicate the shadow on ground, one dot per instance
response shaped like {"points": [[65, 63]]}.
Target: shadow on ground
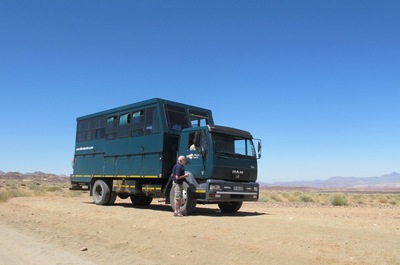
{"points": [[202, 210]]}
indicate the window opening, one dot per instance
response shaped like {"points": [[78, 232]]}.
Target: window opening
{"points": [[198, 118], [91, 129], [194, 141], [176, 117], [124, 119], [152, 122], [232, 145], [111, 131], [112, 121], [137, 125], [123, 128]]}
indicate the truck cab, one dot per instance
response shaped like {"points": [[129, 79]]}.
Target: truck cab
{"points": [[222, 163]]}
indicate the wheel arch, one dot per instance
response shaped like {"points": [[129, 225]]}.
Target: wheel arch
{"points": [[167, 190], [193, 184]]}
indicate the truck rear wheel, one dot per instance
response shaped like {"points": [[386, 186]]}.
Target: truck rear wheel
{"points": [[141, 200], [113, 197], [188, 204], [123, 195], [147, 201], [101, 192], [230, 207]]}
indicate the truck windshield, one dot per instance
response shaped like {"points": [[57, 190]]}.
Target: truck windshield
{"points": [[233, 145]]}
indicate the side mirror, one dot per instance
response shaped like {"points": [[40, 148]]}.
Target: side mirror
{"points": [[258, 148]]}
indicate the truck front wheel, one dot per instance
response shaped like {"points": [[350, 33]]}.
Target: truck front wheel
{"points": [[101, 193], [230, 207], [188, 204]]}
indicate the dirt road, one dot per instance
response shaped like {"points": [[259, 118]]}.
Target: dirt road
{"points": [[72, 230]]}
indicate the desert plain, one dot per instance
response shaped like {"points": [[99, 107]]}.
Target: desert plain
{"points": [[52, 225]]}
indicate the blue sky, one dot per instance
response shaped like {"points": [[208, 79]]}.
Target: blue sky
{"points": [[317, 81]]}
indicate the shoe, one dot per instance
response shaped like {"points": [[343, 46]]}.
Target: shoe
{"points": [[178, 214]]}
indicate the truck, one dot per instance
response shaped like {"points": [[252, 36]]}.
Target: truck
{"points": [[129, 152]]}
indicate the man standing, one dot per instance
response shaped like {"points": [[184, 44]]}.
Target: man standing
{"points": [[178, 173]]}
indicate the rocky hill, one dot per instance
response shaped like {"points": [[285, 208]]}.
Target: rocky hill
{"points": [[387, 181], [35, 176]]}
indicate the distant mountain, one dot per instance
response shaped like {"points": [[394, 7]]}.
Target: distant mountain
{"points": [[35, 176], [391, 180]]}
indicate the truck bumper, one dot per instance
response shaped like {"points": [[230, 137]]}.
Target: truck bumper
{"points": [[80, 182], [226, 191]]}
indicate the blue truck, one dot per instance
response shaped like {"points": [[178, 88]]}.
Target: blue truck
{"points": [[129, 152]]}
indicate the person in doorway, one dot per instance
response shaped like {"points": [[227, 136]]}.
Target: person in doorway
{"points": [[193, 147], [178, 173]]}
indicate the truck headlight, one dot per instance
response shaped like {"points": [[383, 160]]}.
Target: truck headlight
{"points": [[255, 188], [215, 187]]}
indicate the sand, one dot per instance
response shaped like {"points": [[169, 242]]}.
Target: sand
{"points": [[73, 230]]}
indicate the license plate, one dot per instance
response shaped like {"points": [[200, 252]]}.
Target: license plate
{"points": [[237, 188]]}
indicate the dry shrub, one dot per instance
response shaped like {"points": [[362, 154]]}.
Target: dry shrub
{"points": [[339, 199], [12, 188], [307, 198], [358, 198], [382, 199], [53, 188], [276, 197], [5, 195], [75, 193]]}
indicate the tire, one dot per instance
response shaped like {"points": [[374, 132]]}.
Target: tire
{"points": [[138, 200], [112, 199], [135, 199], [147, 201], [230, 207], [124, 195], [188, 204], [101, 192]]}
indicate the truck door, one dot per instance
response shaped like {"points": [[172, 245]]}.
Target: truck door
{"points": [[169, 154], [196, 154]]}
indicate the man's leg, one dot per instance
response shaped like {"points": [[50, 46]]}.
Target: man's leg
{"points": [[178, 205], [178, 199]]}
